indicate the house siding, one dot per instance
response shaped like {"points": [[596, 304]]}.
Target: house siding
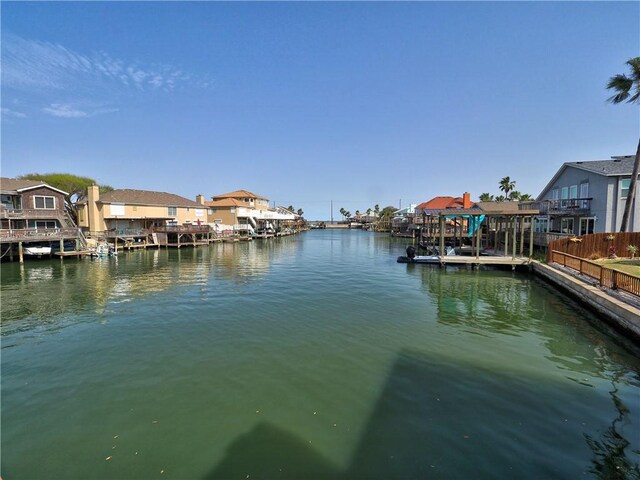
{"points": [[28, 199], [606, 204]]}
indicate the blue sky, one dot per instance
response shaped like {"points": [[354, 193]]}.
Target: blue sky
{"points": [[304, 103]]}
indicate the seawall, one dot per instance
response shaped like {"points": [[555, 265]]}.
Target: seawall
{"points": [[618, 313]]}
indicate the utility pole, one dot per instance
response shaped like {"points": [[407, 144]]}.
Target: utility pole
{"points": [[400, 205], [332, 212]]}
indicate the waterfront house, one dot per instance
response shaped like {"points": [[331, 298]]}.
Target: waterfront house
{"points": [[587, 197], [134, 214], [403, 219], [32, 204], [246, 211], [33, 213], [429, 210]]}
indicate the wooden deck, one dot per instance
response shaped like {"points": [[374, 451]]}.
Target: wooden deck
{"points": [[495, 260]]}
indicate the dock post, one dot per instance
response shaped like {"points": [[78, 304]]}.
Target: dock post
{"points": [[62, 246], [20, 256], [478, 239], [531, 240], [515, 233], [506, 236], [442, 229], [522, 236]]}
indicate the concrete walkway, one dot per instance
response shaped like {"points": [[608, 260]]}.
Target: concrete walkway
{"points": [[616, 310]]}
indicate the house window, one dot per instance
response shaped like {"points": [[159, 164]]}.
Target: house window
{"points": [[172, 211], [573, 191], [564, 196], [212, 211], [584, 194], [541, 224], [232, 210], [587, 225], [624, 188], [46, 224], [45, 202], [566, 226], [555, 194]]}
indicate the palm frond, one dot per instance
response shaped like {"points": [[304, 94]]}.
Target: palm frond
{"points": [[634, 63], [621, 84]]}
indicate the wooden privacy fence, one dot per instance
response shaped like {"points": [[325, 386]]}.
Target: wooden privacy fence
{"points": [[596, 245], [607, 277]]}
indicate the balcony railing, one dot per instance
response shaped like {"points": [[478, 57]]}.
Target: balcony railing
{"points": [[183, 229], [568, 206], [126, 232], [37, 234], [30, 213]]}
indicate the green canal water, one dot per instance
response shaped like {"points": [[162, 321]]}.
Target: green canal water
{"points": [[315, 356]]}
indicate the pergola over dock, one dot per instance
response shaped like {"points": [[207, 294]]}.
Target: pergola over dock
{"points": [[503, 223]]}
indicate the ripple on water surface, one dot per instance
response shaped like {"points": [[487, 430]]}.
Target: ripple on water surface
{"points": [[315, 356]]}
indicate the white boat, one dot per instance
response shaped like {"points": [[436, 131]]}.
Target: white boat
{"points": [[449, 251], [38, 251], [104, 250]]}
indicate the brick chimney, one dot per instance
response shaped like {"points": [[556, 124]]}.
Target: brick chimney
{"points": [[466, 200], [200, 199]]}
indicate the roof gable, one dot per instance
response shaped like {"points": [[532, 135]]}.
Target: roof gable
{"points": [[440, 203], [239, 194], [616, 166], [15, 185]]}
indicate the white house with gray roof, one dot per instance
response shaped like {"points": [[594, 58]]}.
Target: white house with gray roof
{"points": [[588, 197]]}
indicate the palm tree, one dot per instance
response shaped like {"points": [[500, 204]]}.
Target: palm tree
{"points": [[506, 185], [486, 197], [300, 212], [515, 195], [628, 90], [376, 209], [500, 198], [525, 197]]}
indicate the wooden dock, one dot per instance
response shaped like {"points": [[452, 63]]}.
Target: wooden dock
{"points": [[489, 260], [73, 253]]}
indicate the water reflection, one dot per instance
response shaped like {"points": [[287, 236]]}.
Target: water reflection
{"points": [[39, 291], [246, 261], [483, 301], [611, 449]]}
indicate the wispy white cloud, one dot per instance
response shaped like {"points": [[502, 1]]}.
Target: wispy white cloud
{"points": [[65, 110], [7, 112], [32, 64]]}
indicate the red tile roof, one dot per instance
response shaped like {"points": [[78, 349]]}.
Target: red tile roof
{"points": [[439, 203], [239, 194]]}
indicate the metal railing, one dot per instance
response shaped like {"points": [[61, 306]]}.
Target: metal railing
{"points": [[568, 206], [606, 277]]}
